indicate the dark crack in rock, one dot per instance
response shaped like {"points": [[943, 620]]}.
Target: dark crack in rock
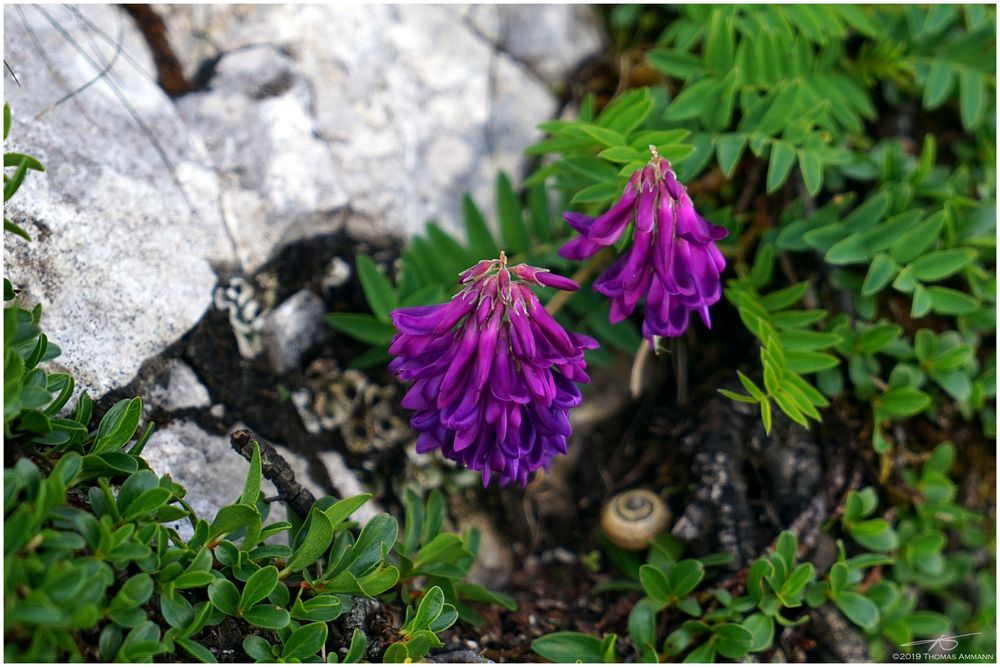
{"points": [[720, 504]]}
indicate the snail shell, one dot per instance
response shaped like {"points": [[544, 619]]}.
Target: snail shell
{"points": [[633, 518]]}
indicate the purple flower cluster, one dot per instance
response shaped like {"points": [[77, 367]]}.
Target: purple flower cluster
{"points": [[494, 375], [672, 260]]}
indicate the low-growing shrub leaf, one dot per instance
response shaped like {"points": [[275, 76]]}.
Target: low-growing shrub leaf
{"points": [[685, 577], [251, 489], [224, 596], [359, 642], [268, 616], [874, 534], [654, 583], [642, 626], [258, 648], [731, 640], [305, 642], [857, 608], [318, 537], [903, 402], [259, 586], [117, 426], [568, 647], [231, 518], [761, 629], [196, 650]]}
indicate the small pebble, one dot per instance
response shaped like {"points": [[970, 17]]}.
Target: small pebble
{"points": [[337, 273], [564, 556]]}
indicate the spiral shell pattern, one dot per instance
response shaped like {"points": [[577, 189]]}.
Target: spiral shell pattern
{"points": [[633, 518]]}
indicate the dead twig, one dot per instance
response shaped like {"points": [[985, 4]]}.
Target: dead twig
{"points": [[275, 468], [459, 656], [169, 72]]}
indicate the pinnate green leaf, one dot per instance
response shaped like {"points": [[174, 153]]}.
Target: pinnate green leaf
{"points": [[949, 301], [674, 63], [880, 273], [811, 166], [940, 80], [806, 361], [627, 112], [972, 96], [942, 263], [730, 149], [782, 159], [693, 100], [481, 241]]}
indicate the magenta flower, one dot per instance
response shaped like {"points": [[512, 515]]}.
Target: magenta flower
{"points": [[672, 259], [494, 392]]}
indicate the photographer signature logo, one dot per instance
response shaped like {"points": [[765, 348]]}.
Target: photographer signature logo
{"points": [[944, 643], [940, 648]]}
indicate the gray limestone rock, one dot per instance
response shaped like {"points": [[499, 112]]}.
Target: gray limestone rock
{"points": [[416, 107], [347, 484], [175, 387], [125, 219], [298, 132], [277, 175], [551, 40], [291, 329], [206, 466]]}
